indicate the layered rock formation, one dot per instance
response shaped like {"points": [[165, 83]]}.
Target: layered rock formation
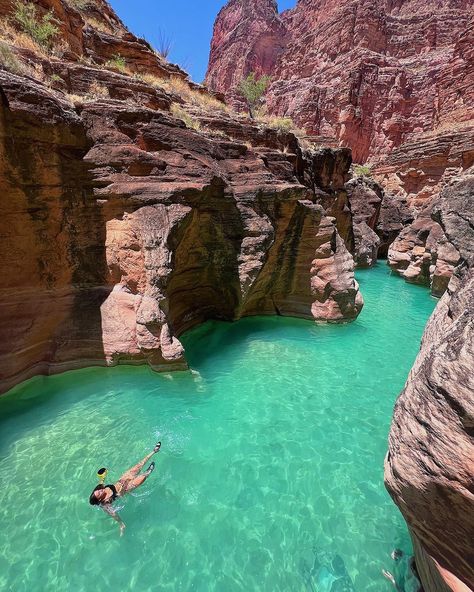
{"points": [[90, 31], [429, 468], [422, 254], [122, 226], [365, 198], [392, 80], [378, 218]]}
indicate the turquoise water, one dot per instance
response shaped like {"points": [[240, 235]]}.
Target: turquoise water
{"points": [[270, 476]]}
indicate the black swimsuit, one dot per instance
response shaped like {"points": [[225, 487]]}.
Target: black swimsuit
{"points": [[112, 488]]}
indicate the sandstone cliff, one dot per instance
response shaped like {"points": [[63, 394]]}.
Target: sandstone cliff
{"points": [[392, 80], [422, 254], [135, 206], [429, 468]]}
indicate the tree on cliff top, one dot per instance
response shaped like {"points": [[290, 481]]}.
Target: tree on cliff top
{"points": [[252, 90]]}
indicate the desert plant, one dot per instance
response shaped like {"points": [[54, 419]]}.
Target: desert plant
{"points": [[8, 60], [216, 132], [117, 62], [81, 4], [180, 113], [282, 124], [77, 101], [86, 60], [98, 91], [164, 44], [362, 170], [252, 90], [42, 30], [103, 25], [180, 87]]}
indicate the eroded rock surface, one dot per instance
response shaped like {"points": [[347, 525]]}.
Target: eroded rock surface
{"points": [[365, 198], [122, 226], [394, 81], [429, 469], [378, 217], [395, 215], [422, 253]]}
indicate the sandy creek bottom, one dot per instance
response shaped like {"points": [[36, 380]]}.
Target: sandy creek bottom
{"points": [[270, 476]]}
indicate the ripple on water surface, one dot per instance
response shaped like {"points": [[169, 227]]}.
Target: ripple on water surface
{"points": [[271, 472]]}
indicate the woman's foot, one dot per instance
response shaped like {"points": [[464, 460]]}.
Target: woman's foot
{"points": [[150, 469], [157, 447]]}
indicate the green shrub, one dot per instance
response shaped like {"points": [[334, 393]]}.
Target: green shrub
{"points": [[188, 119], [54, 79], [8, 60], [361, 170], [252, 90], [42, 30], [117, 62], [282, 124]]}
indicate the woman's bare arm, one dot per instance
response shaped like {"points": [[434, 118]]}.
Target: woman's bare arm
{"points": [[391, 579], [111, 512]]}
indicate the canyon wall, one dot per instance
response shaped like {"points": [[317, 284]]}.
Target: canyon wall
{"points": [[429, 468], [393, 80], [134, 208]]}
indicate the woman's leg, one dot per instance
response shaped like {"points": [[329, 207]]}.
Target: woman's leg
{"points": [[133, 472], [137, 481]]}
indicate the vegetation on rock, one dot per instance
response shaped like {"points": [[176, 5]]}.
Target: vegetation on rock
{"points": [[164, 44], [42, 30], [8, 60], [188, 119], [252, 90], [117, 62], [81, 4], [362, 170]]}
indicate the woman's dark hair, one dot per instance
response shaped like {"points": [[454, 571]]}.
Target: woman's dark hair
{"points": [[101, 471], [93, 500]]}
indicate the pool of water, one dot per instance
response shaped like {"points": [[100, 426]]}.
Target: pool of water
{"points": [[270, 476]]}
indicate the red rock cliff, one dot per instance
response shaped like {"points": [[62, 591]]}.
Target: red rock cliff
{"points": [[122, 226], [429, 468], [391, 79]]}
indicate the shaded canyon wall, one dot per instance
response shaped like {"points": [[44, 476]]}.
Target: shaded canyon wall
{"points": [[429, 468], [122, 226]]}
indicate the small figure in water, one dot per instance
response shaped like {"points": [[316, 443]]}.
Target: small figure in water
{"points": [[104, 495], [405, 578]]}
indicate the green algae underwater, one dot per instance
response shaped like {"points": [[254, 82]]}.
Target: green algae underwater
{"points": [[270, 476]]}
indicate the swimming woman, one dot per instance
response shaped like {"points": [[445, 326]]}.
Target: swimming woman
{"points": [[105, 495]]}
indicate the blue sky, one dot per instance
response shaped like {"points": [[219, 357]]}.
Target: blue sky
{"points": [[188, 23]]}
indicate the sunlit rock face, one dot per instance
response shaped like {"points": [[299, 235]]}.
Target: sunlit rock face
{"points": [[122, 226], [429, 469], [392, 80], [423, 255]]}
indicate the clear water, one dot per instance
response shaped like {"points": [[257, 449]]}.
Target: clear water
{"points": [[270, 476]]}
